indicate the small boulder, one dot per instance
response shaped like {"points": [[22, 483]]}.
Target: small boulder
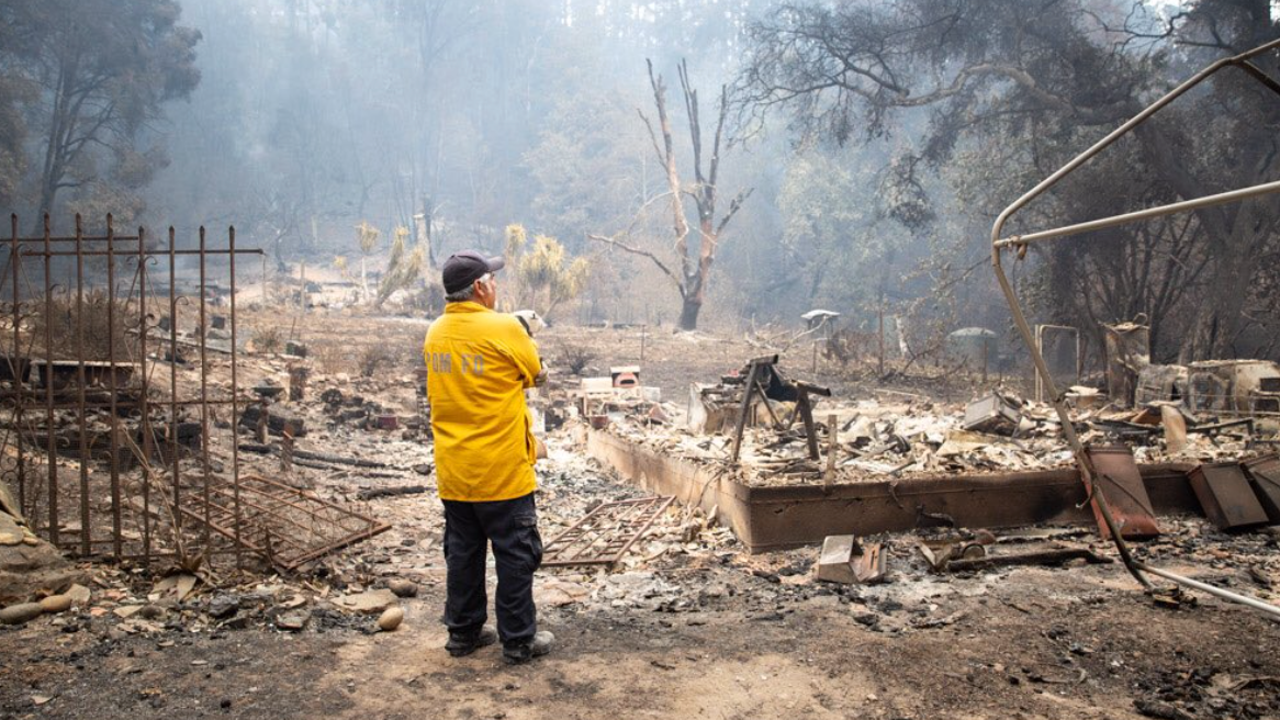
{"points": [[26, 569], [403, 588], [222, 606], [20, 613], [56, 603], [293, 620], [390, 619], [79, 594]]}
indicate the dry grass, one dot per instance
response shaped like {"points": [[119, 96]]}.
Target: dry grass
{"points": [[70, 325], [267, 339]]}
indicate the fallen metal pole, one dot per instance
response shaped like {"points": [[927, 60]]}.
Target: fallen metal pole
{"points": [[1212, 589], [1087, 471]]}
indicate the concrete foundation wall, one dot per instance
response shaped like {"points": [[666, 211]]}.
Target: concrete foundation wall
{"points": [[767, 518]]}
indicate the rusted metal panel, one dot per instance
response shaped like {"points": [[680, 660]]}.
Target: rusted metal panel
{"points": [[1226, 496], [110, 354], [1264, 474], [605, 534], [1120, 481], [283, 525]]}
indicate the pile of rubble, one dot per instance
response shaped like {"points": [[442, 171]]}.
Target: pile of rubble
{"points": [[905, 436]]}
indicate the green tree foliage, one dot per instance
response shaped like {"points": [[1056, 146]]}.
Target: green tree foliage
{"points": [[405, 268], [544, 275]]}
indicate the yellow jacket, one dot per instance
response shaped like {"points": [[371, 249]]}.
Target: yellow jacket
{"points": [[478, 364]]}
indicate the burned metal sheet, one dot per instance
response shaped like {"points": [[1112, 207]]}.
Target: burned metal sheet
{"points": [[1264, 474], [605, 534], [1120, 481], [992, 414], [280, 524], [1226, 496]]}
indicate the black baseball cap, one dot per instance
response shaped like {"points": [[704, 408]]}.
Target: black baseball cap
{"points": [[466, 267]]}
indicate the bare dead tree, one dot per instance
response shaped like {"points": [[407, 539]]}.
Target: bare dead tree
{"points": [[694, 262]]}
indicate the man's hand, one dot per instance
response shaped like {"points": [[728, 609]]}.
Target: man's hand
{"points": [[540, 379]]}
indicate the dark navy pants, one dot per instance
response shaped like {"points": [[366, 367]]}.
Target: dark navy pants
{"points": [[512, 527]]}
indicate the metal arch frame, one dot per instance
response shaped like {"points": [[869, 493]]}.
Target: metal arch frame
{"points": [[1020, 242], [1039, 335]]}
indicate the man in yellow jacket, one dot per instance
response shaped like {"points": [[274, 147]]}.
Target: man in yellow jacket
{"points": [[479, 363]]}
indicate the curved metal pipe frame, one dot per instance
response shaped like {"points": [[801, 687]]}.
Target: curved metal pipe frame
{"points": [[1020, 243]]}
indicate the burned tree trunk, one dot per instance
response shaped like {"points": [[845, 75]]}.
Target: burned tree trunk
{"points": [[689, 313], [694, 265]]}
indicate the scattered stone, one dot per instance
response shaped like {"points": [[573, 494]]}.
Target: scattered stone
{"points": [[1158, 709], [555, 592], [56, 603], [293, 621], [278, 418], [222, 606], [79, 594], [403, 588], [390, 619], [367, 603], [151, 611], [20, 613], [26, 569]]}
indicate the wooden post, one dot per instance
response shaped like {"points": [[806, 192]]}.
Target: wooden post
{"points": [[286, 449], [833, 436], [805, 408], [985, 345], [881, 311], [747, 390], [264, 420]]}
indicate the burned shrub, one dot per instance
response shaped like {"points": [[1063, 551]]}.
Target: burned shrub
{"points": [[268, 339], [374, 358], [69, 327], [575, 356]]}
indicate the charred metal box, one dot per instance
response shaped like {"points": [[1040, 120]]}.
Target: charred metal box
{"points": [[1226, 497], [992, 414], [1264, 474]]}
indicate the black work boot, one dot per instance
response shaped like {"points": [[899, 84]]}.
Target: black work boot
{"points": [[523, 652], [463, 644]]}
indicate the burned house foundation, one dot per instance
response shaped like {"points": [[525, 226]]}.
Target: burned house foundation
{"points": [[773, 518]]}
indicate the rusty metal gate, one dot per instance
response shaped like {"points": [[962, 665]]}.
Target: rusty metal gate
{"points": [[101, 440]]}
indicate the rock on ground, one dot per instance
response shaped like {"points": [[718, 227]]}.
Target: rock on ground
{"points": [[26, 569]]}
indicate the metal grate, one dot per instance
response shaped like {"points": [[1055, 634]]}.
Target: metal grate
{"points": [[283, 525], [605, 534]]}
